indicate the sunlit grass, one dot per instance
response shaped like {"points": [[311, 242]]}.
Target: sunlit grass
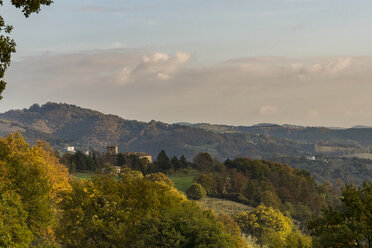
{"points": [[182, 182]]}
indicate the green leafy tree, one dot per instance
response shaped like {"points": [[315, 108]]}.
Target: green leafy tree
{"points": [[7, 45], [195, 192], [162, 161], [175, 163], [207, 181], [294, 239], [34, 179], [203, 161], [350, 223], [263, 223], [270, 199], [183, 163], [14, 231], [136, 211], [186, 227]]}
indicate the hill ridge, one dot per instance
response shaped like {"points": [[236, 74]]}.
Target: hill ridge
{"points": [[64, 124]]}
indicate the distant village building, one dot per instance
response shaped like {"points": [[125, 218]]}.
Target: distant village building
{"points": [[310, 158], [139, 155], [70, 149], [115, 158], [116, 170], [112, 150]]}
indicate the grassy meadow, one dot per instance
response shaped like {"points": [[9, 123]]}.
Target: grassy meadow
{"points": [[182, 181]]}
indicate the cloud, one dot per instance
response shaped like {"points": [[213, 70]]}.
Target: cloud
{"points": [[158, 66], [268, 110], [339, 65], [323, 67], [145, 85]]}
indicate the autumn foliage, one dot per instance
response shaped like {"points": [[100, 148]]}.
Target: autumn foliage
{"points": [[31, 181]]}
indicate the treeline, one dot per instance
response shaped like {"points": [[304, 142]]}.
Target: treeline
{"points": [[97, 161], [332, 169], [251, 182], [255, 182]]}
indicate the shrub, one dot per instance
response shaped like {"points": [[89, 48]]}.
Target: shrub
{"points": [[195, 192]]}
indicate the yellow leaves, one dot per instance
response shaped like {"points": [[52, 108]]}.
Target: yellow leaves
{"points": [[24, 162], [263, 222], [55, 172]]}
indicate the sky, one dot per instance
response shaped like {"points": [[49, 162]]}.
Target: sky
{"points": [[240, 62]]}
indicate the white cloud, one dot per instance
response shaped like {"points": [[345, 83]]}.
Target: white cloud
{"points": [[123, 75], [158, 66], [339, 65], [321, 67]]}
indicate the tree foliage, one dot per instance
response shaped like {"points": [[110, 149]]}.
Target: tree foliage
{"points": [[136, 211], [263, 222], [256, 182], [203, 161], [350, 223], [30, 185], [195, 192], [162, 161], [268, 226], [14, 231]]}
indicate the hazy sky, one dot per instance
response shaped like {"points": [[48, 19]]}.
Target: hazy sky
{"points": [[236, 62]]}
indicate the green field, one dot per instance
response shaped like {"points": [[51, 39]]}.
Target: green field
{"points": [[359, 155], [182, 182]]}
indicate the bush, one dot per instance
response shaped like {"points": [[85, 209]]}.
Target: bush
{"points": [[195, 192]]}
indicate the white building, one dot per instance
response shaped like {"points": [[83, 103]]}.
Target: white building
{"points": [[70, 149]]}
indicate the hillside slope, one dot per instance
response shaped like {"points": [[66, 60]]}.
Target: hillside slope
{"points": [[361, 136], [64, 124]]}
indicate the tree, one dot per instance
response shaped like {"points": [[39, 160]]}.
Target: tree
{"points": [[175, 164], [14, 231], [136, 211], [185, 227], [207, 181], [294, 239], [348, 224], [263, 223], [195, 192], [33, 180], [183, 162], [270, 199], [162, 161], [203, 161], [7, 45]]}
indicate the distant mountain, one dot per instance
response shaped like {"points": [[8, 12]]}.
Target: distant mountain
{"points": [[64, 124], [361, 126], [359, 136]]}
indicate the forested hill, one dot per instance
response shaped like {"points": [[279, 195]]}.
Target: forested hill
{"points": [[358, 135], [64, 124]]}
